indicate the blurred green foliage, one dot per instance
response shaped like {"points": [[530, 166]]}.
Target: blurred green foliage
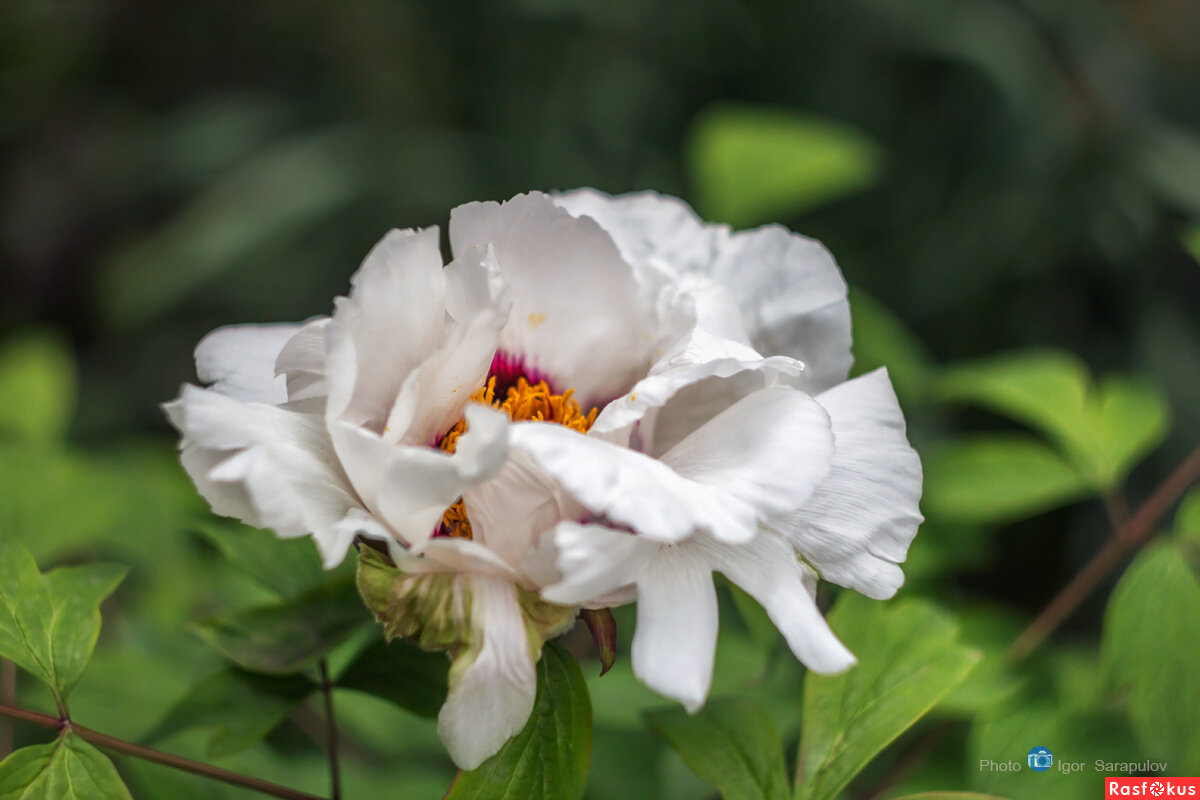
{"points": [[1012, 187]]}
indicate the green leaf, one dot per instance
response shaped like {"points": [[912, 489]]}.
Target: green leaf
{"points": [[288, 567], [1151, 628], [401, 673], [752, 165], [1187, 519], [731, 744], [997, 478], [242, 708], [49, 623], [67, 769], [290, 636], [549, 758], [950, 796], [1103, 430], [1191, 240], [909, 658], [283, 188], [37, 386], [881, 339]]}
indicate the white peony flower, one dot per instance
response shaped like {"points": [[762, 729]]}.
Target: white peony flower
{"points": [[626, 437]]}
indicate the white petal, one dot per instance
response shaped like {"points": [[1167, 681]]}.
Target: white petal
{"points": [[595, 561], [509, 512], [492, 699], [301, 362], [578, 315], [676, 637], [770, 450], [272, 467], [391, 322], [792, 297], [435, 393], [650, 227], [411, 487], [768, 570], [450, 555], [631, 489], [239, 361], [859, 523]]}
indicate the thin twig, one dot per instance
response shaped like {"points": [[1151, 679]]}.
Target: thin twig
{"points": [[1135, 533], [8, 696], [107, 742], [335, 772]]}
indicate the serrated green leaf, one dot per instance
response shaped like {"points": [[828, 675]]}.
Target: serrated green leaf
{"points": [[401, 673], [752, 164], [549, 758], [242, 707], [908, 659], [731, 744], [290, 636], [288, 567], [37, 386], [67, 769], [1151, 628], [49, 623], [997, 478], [1103, 431]]}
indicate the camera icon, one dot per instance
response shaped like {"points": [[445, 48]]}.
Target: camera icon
{"points": [[1040, 759]]}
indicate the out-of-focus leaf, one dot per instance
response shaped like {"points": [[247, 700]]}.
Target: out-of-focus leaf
{"points": [[1187, 519], [288, 567], [241, 707], [1191, 240], [751, 165], [950, 796], [991, 631], [37, 386], [1103, 430], [909, 657], [286, 187], [997, 478], [882, 340], [731, 744], [402, 673], [1151, 629], [66, 769], [549, 758], [49, 623], [286, 638]]}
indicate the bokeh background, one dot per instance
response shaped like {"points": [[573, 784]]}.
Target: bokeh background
{"points": [[992, 176]]}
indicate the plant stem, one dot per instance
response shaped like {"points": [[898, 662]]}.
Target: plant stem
{"points": [[1125, 540], [335, 772], [8, 696], [145, 753]]}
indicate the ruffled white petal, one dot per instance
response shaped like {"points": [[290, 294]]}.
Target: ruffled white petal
{"points": [[790, 292], [578, 314], [767, 569], [858, 525], [792, 297], [239, 361], [273, 467], [434, 394], [301, 362], [509, 512], [676, 637], [594, 561], [492, 698], [391, 322], [411, 487]]}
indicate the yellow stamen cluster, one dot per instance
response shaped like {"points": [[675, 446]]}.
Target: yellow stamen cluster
{"points": [[523, 402]]}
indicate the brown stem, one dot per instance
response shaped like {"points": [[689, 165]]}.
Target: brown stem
{"points": [[8, 696], [1128, 538], [335, 772], [146, 754]]}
